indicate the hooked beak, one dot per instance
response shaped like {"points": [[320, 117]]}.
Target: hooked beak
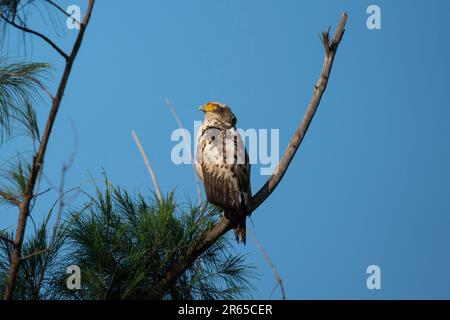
{"points": [[202, 108]]}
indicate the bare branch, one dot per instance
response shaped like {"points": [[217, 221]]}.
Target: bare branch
{"points": [[65, 167], [149, 166], [42, 193], [38, 159], [40, 35], [11, 199], [224, 225], [59, 8], [180, 125], [330, 52], [269, 261], [37, 253]]}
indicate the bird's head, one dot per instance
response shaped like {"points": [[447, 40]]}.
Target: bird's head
{"points": [[218, 114]]}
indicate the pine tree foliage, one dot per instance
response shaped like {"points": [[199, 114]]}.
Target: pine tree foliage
{"points": [[37, 273], [123, 245], [20, 85]]}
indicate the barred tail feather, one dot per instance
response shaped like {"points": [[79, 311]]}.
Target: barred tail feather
{"points": [[241, 233], [238, 223]]}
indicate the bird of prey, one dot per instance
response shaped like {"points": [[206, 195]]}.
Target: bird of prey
{"points": [[223, 165]]}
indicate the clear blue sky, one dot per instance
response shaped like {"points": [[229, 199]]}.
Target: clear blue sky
{"points": [[371, 182]]}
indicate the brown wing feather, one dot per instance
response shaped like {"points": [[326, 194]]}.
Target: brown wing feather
{"points": [[227, 185], [219, 190]]}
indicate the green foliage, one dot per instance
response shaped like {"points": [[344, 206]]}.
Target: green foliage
{"points": [[27, 124], [15, 175], [19, 86], [124, 246], [37, 272]]}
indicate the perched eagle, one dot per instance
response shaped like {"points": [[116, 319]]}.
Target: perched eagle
{"points": [[223, 165]]}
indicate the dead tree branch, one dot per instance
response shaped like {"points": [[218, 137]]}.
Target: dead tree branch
{"points": [[224, 225], [38, 159], [330, 52], [148, 165], [65, 167]]}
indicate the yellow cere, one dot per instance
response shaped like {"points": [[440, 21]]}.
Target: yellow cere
{"points": [[210, 107]]}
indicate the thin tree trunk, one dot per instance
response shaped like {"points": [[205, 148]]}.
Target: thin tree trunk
{"points": [[38, 159]]}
